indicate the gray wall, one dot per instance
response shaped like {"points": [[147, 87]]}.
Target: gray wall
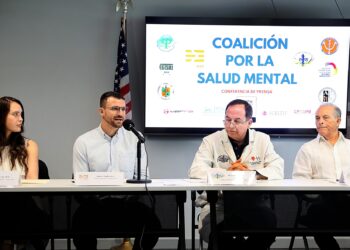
{"points": [[59, 56]]}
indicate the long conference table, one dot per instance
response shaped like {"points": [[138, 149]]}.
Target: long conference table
{"points": [[179, 188]]}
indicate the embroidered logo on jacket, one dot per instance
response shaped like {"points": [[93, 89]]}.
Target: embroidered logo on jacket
{"points": [[254, 160], [223, 158]]}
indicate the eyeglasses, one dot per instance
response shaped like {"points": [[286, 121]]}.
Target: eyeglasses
{"points": [[233, 122], [116, 108]]}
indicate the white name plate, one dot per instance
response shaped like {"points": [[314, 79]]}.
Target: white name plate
{"points": [[223, 177], [9, 178], [99, 178]]}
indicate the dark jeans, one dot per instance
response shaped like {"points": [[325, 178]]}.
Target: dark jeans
{"points": [[246, 211], [115, 215]]}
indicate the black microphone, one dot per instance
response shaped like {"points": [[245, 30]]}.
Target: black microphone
{"points": [[129, 125]]}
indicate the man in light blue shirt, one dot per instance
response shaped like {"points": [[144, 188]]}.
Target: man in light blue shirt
{"points": [[98, 151], [110, 148]]}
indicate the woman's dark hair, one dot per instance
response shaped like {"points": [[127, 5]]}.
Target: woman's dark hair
{"points": [[16, 141]]}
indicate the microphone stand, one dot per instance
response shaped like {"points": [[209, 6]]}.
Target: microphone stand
{"points": [[138, 179]]}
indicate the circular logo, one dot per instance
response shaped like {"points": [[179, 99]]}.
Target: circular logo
{"points": [[166, 43], [303, 58], [327, 95], [329, 46], [165, 91]]}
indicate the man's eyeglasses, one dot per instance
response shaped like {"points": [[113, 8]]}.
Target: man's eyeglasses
{"points": [[233, 122], [116, 108]]}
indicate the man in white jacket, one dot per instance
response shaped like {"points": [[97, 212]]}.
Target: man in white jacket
{"points": [[238, 148]]}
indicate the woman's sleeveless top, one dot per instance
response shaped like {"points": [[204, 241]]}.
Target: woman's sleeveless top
{"points": [[6, 165]]}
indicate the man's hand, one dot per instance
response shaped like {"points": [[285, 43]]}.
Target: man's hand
{"points": [[238, 166]]}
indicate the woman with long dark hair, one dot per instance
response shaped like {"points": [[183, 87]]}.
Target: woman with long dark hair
{"points": [[17, 153], [20, 154]]}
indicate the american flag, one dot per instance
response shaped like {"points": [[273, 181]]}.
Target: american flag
{"points": [[121, 79]]}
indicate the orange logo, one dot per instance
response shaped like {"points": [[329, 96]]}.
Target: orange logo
{"points": [[329, 46]]}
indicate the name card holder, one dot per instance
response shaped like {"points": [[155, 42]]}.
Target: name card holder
{"points": [[9, 179], [218, 176], [99, 178]]}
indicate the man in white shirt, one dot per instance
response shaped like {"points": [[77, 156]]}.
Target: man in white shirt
{"points": [[110, 148], [324, 158], [238, 148]]}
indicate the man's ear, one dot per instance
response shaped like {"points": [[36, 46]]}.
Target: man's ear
{"points": [[250, 122], [100, 111], [338, 120]]}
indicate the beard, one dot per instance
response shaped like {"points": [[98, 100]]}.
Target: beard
{"points": [[116, 122]]}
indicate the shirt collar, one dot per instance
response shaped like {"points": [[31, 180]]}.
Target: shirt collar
{"points": [[322, 139], [104, 135]]}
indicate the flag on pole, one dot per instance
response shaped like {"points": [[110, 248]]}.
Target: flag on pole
{"points": [[121, 79]]}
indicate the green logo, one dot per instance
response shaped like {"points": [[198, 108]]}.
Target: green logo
{"points": [[165, 43]]}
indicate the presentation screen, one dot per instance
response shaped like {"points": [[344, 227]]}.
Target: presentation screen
{"points": [[284, 68]]}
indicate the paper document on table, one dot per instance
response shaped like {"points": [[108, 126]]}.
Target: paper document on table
{"points": [[224, 177], [33, 181], [168, 182], [195, 181]]}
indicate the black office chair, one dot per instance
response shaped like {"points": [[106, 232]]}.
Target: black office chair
{"points": [[43, 170]]}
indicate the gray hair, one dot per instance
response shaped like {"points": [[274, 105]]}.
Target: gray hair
{"points": [[337, 111]]}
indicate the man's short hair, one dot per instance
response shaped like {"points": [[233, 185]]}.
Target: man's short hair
{"points": [[337, 111], [106, 95], [248, 108]]}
